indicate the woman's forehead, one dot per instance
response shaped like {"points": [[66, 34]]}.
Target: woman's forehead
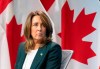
{"points": [[36, 19]]}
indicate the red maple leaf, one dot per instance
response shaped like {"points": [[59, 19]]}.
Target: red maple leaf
{"points": [[73, 32], [13, 37]]}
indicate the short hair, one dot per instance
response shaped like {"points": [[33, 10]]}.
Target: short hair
{"points": [[27, 29]]}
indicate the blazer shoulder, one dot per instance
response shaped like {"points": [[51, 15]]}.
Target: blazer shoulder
{"points": [[53, 45], [22, 46], [22, 43], [54, 56]]}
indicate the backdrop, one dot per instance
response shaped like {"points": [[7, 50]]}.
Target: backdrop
{"points": [[76, 26]]}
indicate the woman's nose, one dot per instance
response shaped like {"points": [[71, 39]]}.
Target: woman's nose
{"points": [[39, 28]]}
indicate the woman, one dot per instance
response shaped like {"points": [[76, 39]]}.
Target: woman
{"points": [[39, 51]]}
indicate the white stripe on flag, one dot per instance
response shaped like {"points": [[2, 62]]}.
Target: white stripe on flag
{"points": [[5, 17], [4, 52], [55, 14]]}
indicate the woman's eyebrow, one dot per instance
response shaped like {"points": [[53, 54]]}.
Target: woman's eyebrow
{"points": [[34, 22]]}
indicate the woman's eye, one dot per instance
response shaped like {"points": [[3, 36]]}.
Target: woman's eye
{"points": [[35, 24], [43, 25]]}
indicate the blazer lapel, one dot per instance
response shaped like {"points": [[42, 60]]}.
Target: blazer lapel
{"points": [[39, 56], [22, 59]]}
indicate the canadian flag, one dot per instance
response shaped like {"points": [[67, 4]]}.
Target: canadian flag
{"points": [[75, 23], [80, 33]]}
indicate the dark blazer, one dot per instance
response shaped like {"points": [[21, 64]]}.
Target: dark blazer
{"points": [[50, 58]]}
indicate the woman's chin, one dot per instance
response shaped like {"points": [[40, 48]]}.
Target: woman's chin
{"points": [[39, 38]]}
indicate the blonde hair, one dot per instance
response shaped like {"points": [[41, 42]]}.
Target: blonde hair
{"points": [[27, 29]]}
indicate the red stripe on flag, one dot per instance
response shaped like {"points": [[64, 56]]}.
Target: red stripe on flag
{"points": [[47, 3], [3, 4], [14, 39]]}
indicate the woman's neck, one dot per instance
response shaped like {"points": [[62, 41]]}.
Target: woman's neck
{"points": [[37, 46]]}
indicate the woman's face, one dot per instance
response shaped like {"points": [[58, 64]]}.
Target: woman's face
{"points": [[38, 30]]}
